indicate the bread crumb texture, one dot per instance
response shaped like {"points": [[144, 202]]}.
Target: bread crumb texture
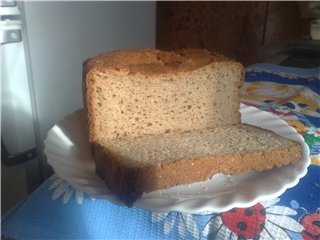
{"points": [[222, 141], [147, 92]]}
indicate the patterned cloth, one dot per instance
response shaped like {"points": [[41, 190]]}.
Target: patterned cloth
{"points": [[57, 211], [290, 93]]}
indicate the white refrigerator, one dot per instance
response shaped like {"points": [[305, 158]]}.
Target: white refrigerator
{"points": [[43, 46]]}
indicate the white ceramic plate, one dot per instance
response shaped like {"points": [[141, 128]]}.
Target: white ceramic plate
{"points": [[67, 151]]}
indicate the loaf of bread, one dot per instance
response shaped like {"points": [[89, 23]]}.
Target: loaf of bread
{"points": [[138, 93], [159, 119]]}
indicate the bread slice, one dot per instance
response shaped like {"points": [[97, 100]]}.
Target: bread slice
{"points": [[146, 92], [133, 167], [159, 119]]}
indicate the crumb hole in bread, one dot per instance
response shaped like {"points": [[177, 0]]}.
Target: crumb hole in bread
{"points": [[98, 89]]}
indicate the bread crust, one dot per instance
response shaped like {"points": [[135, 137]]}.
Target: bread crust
{"points": [[129, 183], [150, 62]]}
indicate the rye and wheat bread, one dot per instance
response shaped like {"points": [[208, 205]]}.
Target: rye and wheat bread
{"points": [[159, 119]]}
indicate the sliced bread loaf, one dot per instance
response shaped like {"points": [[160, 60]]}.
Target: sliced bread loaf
{"points": [[159, 119], [143, 92], [135, 166]]}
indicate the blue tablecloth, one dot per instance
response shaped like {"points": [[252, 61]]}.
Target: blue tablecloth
{"points": [[57, 211]]}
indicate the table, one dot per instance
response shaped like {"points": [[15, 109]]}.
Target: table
{"points": [[57, 211]]}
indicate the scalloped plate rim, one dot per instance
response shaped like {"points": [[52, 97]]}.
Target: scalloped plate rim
{"points": [[192, 205]]}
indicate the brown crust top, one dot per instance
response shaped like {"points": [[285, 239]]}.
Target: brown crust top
{"points": [[152, 61]]}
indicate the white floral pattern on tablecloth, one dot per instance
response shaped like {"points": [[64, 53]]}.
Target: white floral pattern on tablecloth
{"points": [[62, 188], [183, 221], [265, 220]]}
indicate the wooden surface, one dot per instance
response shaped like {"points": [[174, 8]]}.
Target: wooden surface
{"points": [[236, 29], [284, 22]]}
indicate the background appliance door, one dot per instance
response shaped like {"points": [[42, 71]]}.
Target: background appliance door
{"points": [[19, 162]]}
